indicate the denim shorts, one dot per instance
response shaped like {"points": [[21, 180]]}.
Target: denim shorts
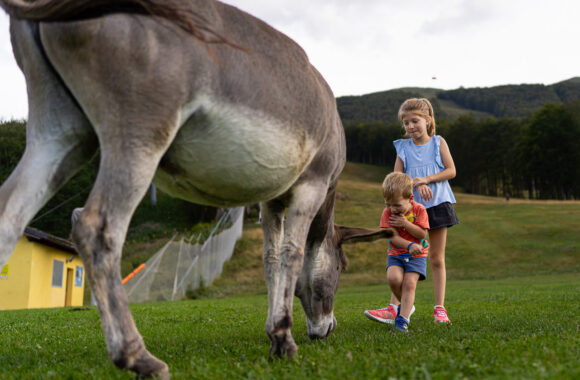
{"points": [[409, 264], [442, 215]]}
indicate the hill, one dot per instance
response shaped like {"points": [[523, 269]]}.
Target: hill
{"points": [[494, 240], [499, 101]]}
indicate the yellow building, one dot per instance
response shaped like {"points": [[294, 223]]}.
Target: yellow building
{"points": [[43, 271]]}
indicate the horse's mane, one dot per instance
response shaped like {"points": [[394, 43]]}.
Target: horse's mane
{"points": [[180, 12]]}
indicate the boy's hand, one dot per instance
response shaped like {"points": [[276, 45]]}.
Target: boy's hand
{"points": [[398, 220], [415, 249]]}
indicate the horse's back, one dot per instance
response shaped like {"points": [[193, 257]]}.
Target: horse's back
{"points": [[250, 119]]}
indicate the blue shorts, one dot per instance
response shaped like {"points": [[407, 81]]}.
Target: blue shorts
{"points": [[409, 264]]}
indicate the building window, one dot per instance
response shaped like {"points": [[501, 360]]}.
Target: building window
{"points": [[78, 275], [57, 273]]}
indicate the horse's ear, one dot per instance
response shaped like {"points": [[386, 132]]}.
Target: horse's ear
{"points": [[355, 235]]}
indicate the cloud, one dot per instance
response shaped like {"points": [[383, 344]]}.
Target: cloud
{"points": [[363, 46], [458, 16]]}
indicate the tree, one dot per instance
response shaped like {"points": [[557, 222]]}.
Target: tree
{"points": [[550, 153]]}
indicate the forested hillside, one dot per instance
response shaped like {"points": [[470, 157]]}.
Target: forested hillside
{"points": [[500, 101], [517, 140], [169, 213], [535, 156]]}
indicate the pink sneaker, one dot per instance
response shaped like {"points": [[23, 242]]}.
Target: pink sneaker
{"points": [[440, 315], [385, 315]]}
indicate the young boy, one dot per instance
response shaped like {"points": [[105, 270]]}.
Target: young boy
{"points": [[408, 250]]}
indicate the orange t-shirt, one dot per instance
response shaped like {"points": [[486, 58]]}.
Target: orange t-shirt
{"points": [[417, 215]]}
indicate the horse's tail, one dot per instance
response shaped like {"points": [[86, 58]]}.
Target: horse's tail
{"points": [[179, 12]]}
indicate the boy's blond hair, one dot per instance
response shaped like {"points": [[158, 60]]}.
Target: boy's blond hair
{"points": [[397, 184], [422, 108]]}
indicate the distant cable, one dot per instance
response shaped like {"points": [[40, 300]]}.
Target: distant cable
{"points": [[71, 198], [62, 204]]}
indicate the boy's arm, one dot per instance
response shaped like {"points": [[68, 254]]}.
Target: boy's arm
{"points": [[411, 246], [417, 231], [397, 240]]}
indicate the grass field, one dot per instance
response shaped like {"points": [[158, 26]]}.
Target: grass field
{"points": [[525, 328], [513, 295]]}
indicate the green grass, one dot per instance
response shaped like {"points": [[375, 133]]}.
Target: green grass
{"points": [[513, 295], [512, 328]]}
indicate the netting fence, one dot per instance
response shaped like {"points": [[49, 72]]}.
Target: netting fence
{"points": [[185, 264]]}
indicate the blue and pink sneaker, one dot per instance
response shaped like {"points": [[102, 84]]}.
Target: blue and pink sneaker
{"points": [[440, 315], [401, 324]]}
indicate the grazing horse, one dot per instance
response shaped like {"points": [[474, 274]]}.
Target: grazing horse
{"points": [[210, 103]]}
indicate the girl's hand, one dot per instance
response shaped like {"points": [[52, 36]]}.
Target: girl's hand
{"points": [[415, 249], [418, 181], [425, 192]]}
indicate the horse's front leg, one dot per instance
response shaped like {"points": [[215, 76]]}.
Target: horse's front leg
{"points": [[128, 164], [307, 198]]}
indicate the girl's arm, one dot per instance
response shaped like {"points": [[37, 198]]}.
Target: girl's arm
{"points": [[424, 191], [447, 173], [399, 166]]}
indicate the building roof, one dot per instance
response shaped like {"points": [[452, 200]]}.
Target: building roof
{"points": [[32, 234]]}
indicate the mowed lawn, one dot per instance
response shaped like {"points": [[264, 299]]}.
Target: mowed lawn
{"points": [[513, 295], [512, 328]]}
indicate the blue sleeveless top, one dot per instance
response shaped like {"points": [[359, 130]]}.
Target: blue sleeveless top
{"points": [[422, 161]]}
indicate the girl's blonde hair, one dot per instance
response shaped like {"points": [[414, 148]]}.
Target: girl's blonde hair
{"points": [[397, 184], [422, 108]]}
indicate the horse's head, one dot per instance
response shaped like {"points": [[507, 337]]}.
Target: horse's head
{"points": [[318, 281]]}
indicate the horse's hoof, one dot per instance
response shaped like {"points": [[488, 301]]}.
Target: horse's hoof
{"points": [[282, 345], [148, 366]]}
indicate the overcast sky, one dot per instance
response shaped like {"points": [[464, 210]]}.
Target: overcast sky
{"points": [[364, 46]]}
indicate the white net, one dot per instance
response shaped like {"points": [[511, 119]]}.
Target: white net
{"points": [[186, 264]]}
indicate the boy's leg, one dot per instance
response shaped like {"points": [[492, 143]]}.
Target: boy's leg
{"points": [[409, 286], [395, 276], [388, 314]]}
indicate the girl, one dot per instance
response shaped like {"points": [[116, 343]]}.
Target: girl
{"points": [[427, 159]]}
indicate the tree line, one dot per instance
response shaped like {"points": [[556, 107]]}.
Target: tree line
{"points": [[534, 157], [55, 216], [499, 101]]}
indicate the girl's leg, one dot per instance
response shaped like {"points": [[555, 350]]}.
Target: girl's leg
{"points": [[408, 293], [437, 241]]}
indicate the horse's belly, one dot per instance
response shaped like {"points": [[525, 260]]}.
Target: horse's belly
{"points": [[224, 156]]}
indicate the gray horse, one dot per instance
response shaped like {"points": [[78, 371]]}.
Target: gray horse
{"points": [[211, 104]]}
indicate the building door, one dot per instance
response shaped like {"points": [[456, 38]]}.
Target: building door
{"points": [[70, 276]]}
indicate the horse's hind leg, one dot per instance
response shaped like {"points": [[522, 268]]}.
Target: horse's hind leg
{"points": [[59, 140], [128, 163]]}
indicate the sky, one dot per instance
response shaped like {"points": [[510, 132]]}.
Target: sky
{"points": [[366, 46]]}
